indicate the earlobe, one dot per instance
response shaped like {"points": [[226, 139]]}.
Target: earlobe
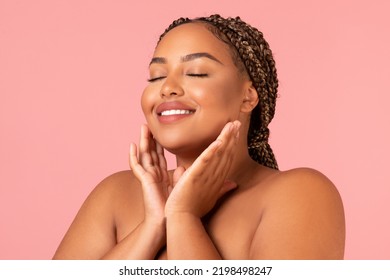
{"points": [[251, 99]]}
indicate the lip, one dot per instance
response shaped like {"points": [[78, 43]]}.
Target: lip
{"points": [[173, 105]]}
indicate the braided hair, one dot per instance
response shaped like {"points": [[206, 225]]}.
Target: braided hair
{"points": [[251, 54]]}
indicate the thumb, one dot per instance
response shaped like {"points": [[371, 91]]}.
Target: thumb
{"points": [[228, 185]]}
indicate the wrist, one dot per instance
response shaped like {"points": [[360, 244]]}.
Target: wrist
{"points": [[154, 223], [156, 229], [181, 216]]}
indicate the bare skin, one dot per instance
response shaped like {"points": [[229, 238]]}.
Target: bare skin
{"points": [[218, 203]]}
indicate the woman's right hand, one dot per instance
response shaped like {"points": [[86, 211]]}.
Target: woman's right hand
{"points": [[150, 168], [94, 232]]}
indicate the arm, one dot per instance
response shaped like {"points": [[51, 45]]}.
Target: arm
{"points": [[151, 170], [195, 194], [188, 239], [145, 241], [93, 233], [303, 219]]}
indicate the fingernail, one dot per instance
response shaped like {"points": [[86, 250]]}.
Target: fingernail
{"points": [[231, 126]]}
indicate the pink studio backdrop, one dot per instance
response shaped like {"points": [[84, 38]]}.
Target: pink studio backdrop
{"points": [[71, 76]]}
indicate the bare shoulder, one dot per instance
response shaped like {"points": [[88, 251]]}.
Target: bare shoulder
{"points": [[303, 217], [116, 182], [301, 181], [113, 193], [93, 231]]}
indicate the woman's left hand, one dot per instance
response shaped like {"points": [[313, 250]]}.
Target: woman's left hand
{"points": [[200, 186]]}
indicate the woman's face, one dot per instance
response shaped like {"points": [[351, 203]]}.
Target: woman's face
{"points": [[194, 89]]}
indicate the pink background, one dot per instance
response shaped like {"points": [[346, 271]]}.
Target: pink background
{"points": [[71, 76]]}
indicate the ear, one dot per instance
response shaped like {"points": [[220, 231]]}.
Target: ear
{"points": [[251, 99]]}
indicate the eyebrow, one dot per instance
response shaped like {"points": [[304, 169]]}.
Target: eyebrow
{"points": [[186, 58]]}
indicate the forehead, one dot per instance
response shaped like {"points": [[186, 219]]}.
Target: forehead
{"points": [[192, 38]]}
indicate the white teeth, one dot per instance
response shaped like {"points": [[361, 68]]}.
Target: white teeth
{"points": [[176, 112]]}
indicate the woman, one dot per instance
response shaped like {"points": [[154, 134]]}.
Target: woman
{"points": [[210, 98]]}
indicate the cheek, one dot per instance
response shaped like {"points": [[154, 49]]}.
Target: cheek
{"points": [[146, 101], [223, 97]]}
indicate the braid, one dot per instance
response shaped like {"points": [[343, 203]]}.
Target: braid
{"points": [[252, 54]]}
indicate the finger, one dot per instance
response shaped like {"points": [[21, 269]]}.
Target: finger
{"points": [[133, 162], [218, 143], [238, 126], [207, 155], [228, 151], [225, 137], [133, 159], [161, 157], [225, 161], [144, 146], [226, 131], [230, 135], [153, 152], [162, 163], [218, 157], [139, 172], [144, 138], [205, 160], [211, 156], [227, 186]]}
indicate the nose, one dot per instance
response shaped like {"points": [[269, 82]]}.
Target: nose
{"points": [[171, 87]]}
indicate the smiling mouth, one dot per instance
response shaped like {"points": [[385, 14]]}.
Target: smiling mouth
{"points": [[176, 112]]}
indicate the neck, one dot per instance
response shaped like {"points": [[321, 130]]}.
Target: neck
{"points": [[241, 168]]}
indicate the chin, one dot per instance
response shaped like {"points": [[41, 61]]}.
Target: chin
{"points": [[187, 137], [185, 145]]}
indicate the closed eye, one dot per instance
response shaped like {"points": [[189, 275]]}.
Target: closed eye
{"points": [[155, 79], [203, 75], [198, 75]]}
